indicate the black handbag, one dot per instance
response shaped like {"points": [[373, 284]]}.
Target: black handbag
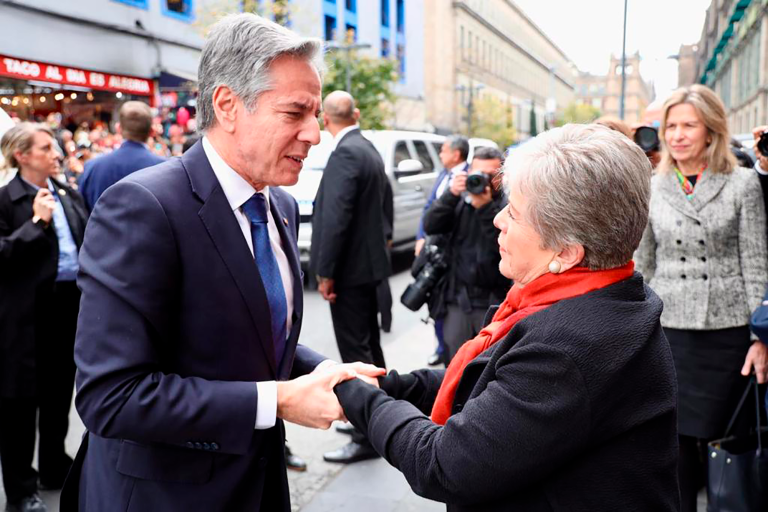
{"points": [[738, 466]]}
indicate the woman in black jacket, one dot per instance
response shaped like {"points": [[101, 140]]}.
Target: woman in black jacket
{"points": [[566, 399]]}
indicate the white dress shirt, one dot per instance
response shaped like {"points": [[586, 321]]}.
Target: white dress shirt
{"points": [[455, 170], [237, 192], [342, 133]]}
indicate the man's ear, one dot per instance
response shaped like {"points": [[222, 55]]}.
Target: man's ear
{"points": [[326, 120], [226, 107], [356, 115], [570, 257]]}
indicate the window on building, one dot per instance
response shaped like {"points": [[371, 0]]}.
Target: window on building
{"points": [[628, 69], [179, 9], [351, 5], [401, 152], [385, 13], [469, 47], [142, 4], [330, 28], [401, 16], [281, 11], [424, 157], [463, 54], [384, 47], [351, 32], [401, 61]]}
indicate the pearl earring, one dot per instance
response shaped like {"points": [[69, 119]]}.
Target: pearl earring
{"points": [[554, 267]]}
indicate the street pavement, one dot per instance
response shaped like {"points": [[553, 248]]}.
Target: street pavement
{"points": [[373, 486]]}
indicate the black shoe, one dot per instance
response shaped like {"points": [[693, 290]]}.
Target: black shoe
{"points": [[435, 359], [294, 462], [29, 504], [345, 428], [351, 452]]}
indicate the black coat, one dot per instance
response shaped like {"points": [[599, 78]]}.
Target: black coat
{"points": [[474, 280], [575, 409], [349, 227], [29, 255]]}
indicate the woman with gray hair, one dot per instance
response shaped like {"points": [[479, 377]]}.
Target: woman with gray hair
{"points": [[704, 253], [566, 399]]}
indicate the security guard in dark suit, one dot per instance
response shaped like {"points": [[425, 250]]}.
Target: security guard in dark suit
{"points": [[42, 223]]}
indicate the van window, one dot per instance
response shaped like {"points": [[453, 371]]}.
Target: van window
{"points": [[424, 157], [438, 147], [401, 152]]}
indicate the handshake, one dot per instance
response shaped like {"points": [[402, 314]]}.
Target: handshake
{"points": [[309, 400]]}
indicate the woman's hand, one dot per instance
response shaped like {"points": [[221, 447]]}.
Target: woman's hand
{"points": [[757, 357]]}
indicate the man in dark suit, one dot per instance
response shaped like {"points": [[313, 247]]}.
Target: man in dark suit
{"points": [[192, 298], [349, 248], [42, 222], [103, 172]]}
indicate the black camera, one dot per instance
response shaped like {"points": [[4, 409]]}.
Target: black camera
{"points": [[476, 182], [647, 137], [762, 144], [430, 274]]}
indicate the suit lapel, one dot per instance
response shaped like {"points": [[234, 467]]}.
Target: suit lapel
{"points": [[709, 186], [227, 237], [287, 229], [75, 219], [671, 191]]}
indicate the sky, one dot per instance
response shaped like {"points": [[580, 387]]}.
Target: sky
{"points": [[588, 31]]}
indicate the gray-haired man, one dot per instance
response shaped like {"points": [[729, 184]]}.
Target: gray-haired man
{"points": [[186, 348]]}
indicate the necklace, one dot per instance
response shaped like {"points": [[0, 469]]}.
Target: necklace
{"points": [[686, 184]]}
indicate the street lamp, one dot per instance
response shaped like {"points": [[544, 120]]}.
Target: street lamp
{"points": [[348, 49], [470, 105]]}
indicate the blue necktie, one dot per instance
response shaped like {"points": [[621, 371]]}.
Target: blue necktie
{"points": [[256, 211]]}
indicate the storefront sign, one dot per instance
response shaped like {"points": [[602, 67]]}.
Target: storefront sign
{"points": [[31, 70]]}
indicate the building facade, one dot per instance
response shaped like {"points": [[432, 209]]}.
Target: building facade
{"points": [[686, 65], [475, 48], [604, 91], [731, 59]]}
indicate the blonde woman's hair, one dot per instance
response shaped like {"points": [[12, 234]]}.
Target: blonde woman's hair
{"points": [[711, 111], [615, 124], [19, 138]]}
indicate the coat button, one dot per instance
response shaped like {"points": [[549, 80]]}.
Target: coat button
{"points": [[703, 258], [682, 276], [679, 223], [698, 223], [705, 277], [214, 446], [679, 242], [190, 445], [206, 446], [458, 407], [682, 259], [701, 242], [199, 446]]}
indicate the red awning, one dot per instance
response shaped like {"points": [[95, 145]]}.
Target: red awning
{"points": [[65, 75]]}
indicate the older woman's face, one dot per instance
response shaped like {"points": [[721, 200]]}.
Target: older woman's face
{"points": [[522, 258], [685, 134]]}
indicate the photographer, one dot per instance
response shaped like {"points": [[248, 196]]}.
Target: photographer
{"points": [[465, 213], [761, 165]]}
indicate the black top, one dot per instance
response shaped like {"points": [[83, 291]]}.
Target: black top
{"points": [[575, 409]]}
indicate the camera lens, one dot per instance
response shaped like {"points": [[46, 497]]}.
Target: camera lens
{"points": [[647, 138], [476, 182]]}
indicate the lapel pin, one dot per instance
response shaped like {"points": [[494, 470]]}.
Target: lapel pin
{"points": [[285, 221], [62, 192]]}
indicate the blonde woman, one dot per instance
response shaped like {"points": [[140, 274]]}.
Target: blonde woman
{"points": [[704, 253]]}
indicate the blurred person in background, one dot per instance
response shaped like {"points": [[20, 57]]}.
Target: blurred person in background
{"points": [[566, 399], [616, 124], [42, 222], [704, 253], [101, 173]]}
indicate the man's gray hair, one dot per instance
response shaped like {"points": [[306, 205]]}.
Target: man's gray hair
{"points": [[238, 52], [585, 184], [459, 142]]}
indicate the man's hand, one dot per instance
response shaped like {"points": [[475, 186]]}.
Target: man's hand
{"points": [[480, 200], [459, 184], [419, 246], [365, 372], [757, 357], [325, 287], [309, 400], [43, 205], [756, 133]]}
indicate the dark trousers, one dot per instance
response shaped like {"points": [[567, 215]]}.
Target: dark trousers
{"points": [[55, 370], [356, 326], [460, 327], [384, 299], [691, 470]]}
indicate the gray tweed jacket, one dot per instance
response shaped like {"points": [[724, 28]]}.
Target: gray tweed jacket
{"points": [[706, 257]]}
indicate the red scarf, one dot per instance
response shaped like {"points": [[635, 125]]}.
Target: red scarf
{"points": [[521, 302]]}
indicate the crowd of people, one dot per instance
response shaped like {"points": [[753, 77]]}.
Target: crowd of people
{"points": [[594, 308]]}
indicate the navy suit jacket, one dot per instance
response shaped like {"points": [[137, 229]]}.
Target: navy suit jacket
{"points": [[102, 172], [173, 334]]}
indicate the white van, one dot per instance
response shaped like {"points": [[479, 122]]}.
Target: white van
{"points": [[411, 161]]}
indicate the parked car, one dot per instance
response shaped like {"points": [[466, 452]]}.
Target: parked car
{"points": [[411, 162]]}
